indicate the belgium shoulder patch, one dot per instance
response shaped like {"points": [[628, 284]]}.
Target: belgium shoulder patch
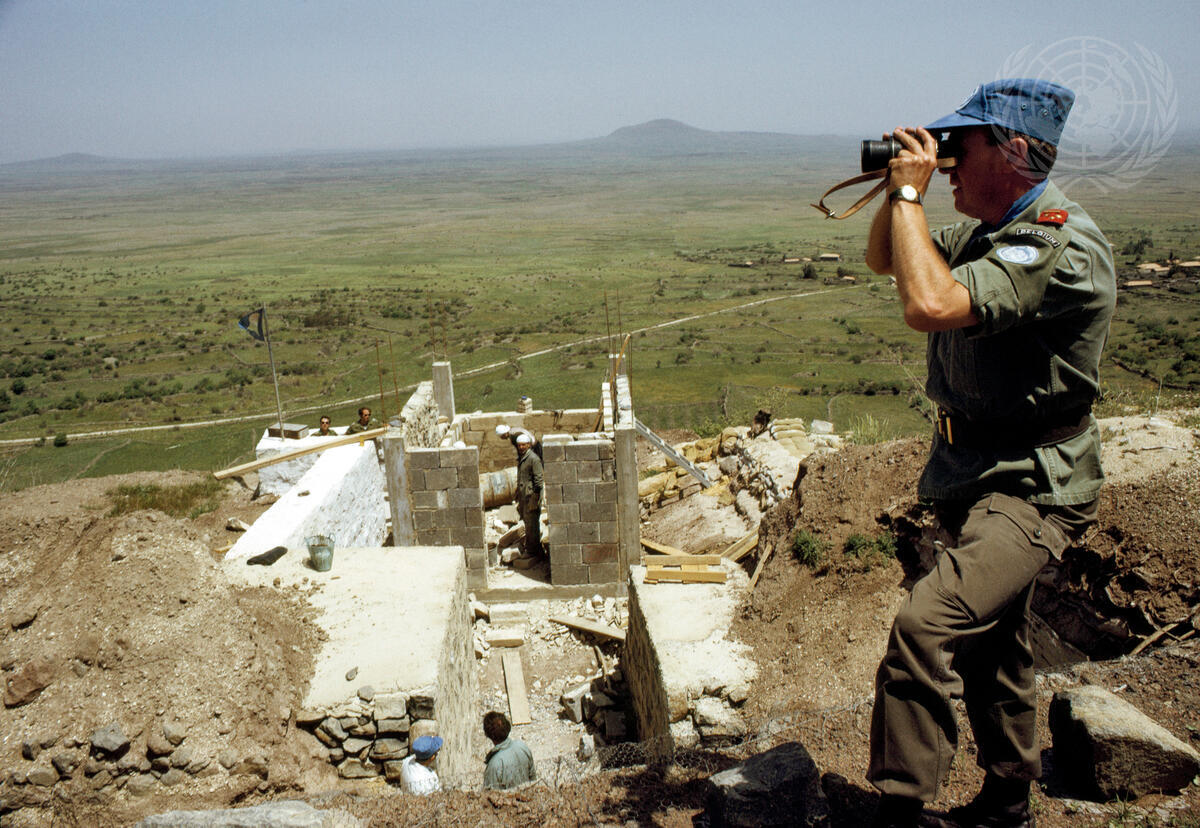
{"points": [[1056, 218]]}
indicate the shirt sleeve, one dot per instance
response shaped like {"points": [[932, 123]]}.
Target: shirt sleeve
{"points": [[1008, 283]]}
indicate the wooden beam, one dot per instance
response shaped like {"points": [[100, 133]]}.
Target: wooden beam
{"points": [[762, 561], [603, 630], [712, 576], [514, 683], [327, 443], [661, 548], [741, 547], [682, 560]]}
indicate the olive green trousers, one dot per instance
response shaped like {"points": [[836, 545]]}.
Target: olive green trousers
{"points": [[963, 632]]}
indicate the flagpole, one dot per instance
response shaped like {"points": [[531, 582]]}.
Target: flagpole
{"points": [[274, 378]]}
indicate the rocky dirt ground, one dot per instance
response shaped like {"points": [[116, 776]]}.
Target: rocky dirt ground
{"points": [[128, 620]]}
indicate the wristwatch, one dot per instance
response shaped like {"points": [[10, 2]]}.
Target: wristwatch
{"points": [[906, 193]]}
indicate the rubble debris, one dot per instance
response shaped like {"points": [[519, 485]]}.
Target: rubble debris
{"points": [[575, 622]]}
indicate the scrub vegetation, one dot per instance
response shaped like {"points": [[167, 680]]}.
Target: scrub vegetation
{"points": [[123, 283]]}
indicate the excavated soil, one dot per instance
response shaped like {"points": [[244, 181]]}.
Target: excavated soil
{"points": [[137, 625]]}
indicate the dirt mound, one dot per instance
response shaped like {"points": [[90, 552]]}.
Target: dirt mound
{"points": [[129, 620]]}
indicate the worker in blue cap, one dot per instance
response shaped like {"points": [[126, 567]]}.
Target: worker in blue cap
{"points": [[417, 774], [1016, 301]]}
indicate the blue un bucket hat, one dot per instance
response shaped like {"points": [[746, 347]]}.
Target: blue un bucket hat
{"points": [[1033, 107], [426, 746]]}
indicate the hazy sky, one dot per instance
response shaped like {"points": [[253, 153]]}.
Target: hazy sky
{"points": [[172, 78]]}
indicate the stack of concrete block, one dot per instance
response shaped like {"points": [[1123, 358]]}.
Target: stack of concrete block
{"points": [[447, 505], [371, 738], [581, 497]]}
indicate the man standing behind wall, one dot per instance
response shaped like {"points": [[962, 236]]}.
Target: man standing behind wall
{"points": [[1017, 306], [529, 492]]}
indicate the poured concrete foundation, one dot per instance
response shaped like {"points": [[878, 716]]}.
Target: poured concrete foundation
{"points": [[398, 653]]}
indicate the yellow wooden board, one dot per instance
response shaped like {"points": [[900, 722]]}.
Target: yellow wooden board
{"points": [[658, 573], [681, 560]]}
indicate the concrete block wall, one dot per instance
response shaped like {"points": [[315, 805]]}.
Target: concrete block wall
{"points": [[447, 505], [496, 453], [581, 499], [340, 496]]}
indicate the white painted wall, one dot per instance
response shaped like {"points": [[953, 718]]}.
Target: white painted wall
{"points": [[277, 479], [340, 496]]}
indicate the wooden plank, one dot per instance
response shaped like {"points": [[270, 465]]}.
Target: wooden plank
{"points": [[575, 622], [661, 548], [762, 561], [657, 573], [741, 548], [327, 443], [514, 683], [681, 560]]}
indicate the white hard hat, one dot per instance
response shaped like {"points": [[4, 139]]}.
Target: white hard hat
{"points": [[502, 430]]}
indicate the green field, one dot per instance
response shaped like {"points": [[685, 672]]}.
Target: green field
{"points": [[122, 283]]}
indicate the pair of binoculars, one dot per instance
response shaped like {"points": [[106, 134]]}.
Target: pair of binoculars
{"points": [[877, 154]]}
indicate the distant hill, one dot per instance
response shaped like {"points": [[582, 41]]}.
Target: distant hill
{"points": [[662, 138]]}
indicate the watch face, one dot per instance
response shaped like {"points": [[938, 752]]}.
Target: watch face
{"points": [[908, 192]]}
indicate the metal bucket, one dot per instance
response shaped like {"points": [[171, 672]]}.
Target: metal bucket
{"points": [[320, 552]]}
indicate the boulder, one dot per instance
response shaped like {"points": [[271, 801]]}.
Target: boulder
{"points": [[779, 787], [175, 732], [356, 769], [1114, 748], [391, 706], [110, 739], [31, 680], [716, 723]]}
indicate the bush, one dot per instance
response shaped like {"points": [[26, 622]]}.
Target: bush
{"points": [[60, 439], [809, 550], [869, 552]]}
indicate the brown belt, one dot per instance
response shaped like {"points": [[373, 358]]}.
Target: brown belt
{"points": [[959, 431]]}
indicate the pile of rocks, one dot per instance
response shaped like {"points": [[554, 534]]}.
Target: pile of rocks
{"points": [[370, 735], [602, 701], [110, 758]]}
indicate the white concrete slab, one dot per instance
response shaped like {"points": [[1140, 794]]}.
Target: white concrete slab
{"points": [[340, 496], [385, 611]]}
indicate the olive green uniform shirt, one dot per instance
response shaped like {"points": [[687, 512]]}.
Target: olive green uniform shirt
{"points": [[357, 427], [1044, 295], [529, 482]]}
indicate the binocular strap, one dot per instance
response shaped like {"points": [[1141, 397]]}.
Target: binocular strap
{"points": [[850, 182]]}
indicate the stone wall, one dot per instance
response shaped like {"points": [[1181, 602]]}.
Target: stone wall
{"points": [[447, 506], [419, 418], [340, 496], [581, 498]]}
